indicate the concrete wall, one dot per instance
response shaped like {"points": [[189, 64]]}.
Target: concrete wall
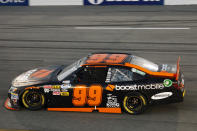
{"points": [[55, 2], [180, 2]]}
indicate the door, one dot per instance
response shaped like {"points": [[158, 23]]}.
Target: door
{"points": [[88, 87]]}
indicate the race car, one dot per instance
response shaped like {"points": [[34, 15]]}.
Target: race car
{"points": [[103, 82]]}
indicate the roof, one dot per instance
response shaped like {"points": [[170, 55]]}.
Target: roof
{"points": [[122, 59], [108, 58]]}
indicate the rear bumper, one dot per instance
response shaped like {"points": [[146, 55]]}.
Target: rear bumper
{"points": [[177, 96]]}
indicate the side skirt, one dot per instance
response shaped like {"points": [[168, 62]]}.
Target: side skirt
{"points": [[103, 110]]}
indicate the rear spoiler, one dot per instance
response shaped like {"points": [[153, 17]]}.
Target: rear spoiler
{"points": [[178, 68]]}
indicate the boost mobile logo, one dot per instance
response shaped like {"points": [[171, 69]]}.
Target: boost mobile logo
{"points": [[140, 87]]}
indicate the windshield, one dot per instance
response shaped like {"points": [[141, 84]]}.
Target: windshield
{"points": [[70, 69], [144, 63]]}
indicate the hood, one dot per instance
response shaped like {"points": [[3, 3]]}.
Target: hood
{"points": [[36, 76], [168, 68]]}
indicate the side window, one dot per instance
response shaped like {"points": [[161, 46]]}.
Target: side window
{"points": [[124, 74], [121, 74], [92, 75], [137, 74]]}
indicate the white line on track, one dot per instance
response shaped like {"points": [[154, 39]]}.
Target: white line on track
{"points": [[132, 28]]}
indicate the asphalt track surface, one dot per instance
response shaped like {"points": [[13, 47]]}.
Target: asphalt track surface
{"points": [[39, 36]]}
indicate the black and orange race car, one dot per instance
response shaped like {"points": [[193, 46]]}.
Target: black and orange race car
{"points": [[103, 82]]}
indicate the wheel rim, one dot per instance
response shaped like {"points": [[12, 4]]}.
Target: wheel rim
{"points": [[33, 99], [133, 103]]}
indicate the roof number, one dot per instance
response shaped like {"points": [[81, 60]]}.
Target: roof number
{"points": [[106, 58]]}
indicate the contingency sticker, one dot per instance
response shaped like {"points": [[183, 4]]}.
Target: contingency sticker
{"points": [[167, 83], [112, 101], [162, 95]]}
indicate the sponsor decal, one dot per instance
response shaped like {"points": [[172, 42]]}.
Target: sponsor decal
{"points": [[14, 2], [64, 93], [96, 2], [65, 87], [167, 83], [53, 88], [47, 88], [123, 2], [162, 95], [14, 96], [56, 87], [12, 89], [110, 87], [112, 101], [140, 87], [56, 93]]}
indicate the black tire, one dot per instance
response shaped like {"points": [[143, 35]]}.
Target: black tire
{"points": [[33, 99], [134, 103]]}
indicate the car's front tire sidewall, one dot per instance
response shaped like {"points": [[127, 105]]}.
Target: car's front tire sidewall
{"points": [[29, 106]]}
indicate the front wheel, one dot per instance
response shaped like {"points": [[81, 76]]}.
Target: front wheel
{"points": [[134, 103], [33, 99]]}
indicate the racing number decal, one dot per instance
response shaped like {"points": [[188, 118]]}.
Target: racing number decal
{"points": [[97, 58], [107, 58], [116, 58], [95, 95], [79, 95], [83, 95]]}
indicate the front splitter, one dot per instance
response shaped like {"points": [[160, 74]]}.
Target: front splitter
{"points": [[9, 106]]}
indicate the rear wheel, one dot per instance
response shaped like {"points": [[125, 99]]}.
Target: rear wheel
{"points": [[33, 99], [134, 103]]}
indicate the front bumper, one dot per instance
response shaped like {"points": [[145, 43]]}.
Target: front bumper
{"points": [[8, 105]]}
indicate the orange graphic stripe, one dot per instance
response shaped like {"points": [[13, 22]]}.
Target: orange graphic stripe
{"points": [[159, 74], [71, 109], [41, 73], [103, 110], [165, 74], [109, 110], [38, 72], [33, 87], [44, 74]]}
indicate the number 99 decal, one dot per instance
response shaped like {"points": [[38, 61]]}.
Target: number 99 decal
{"points": [[107, 58], [83, 95]]}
